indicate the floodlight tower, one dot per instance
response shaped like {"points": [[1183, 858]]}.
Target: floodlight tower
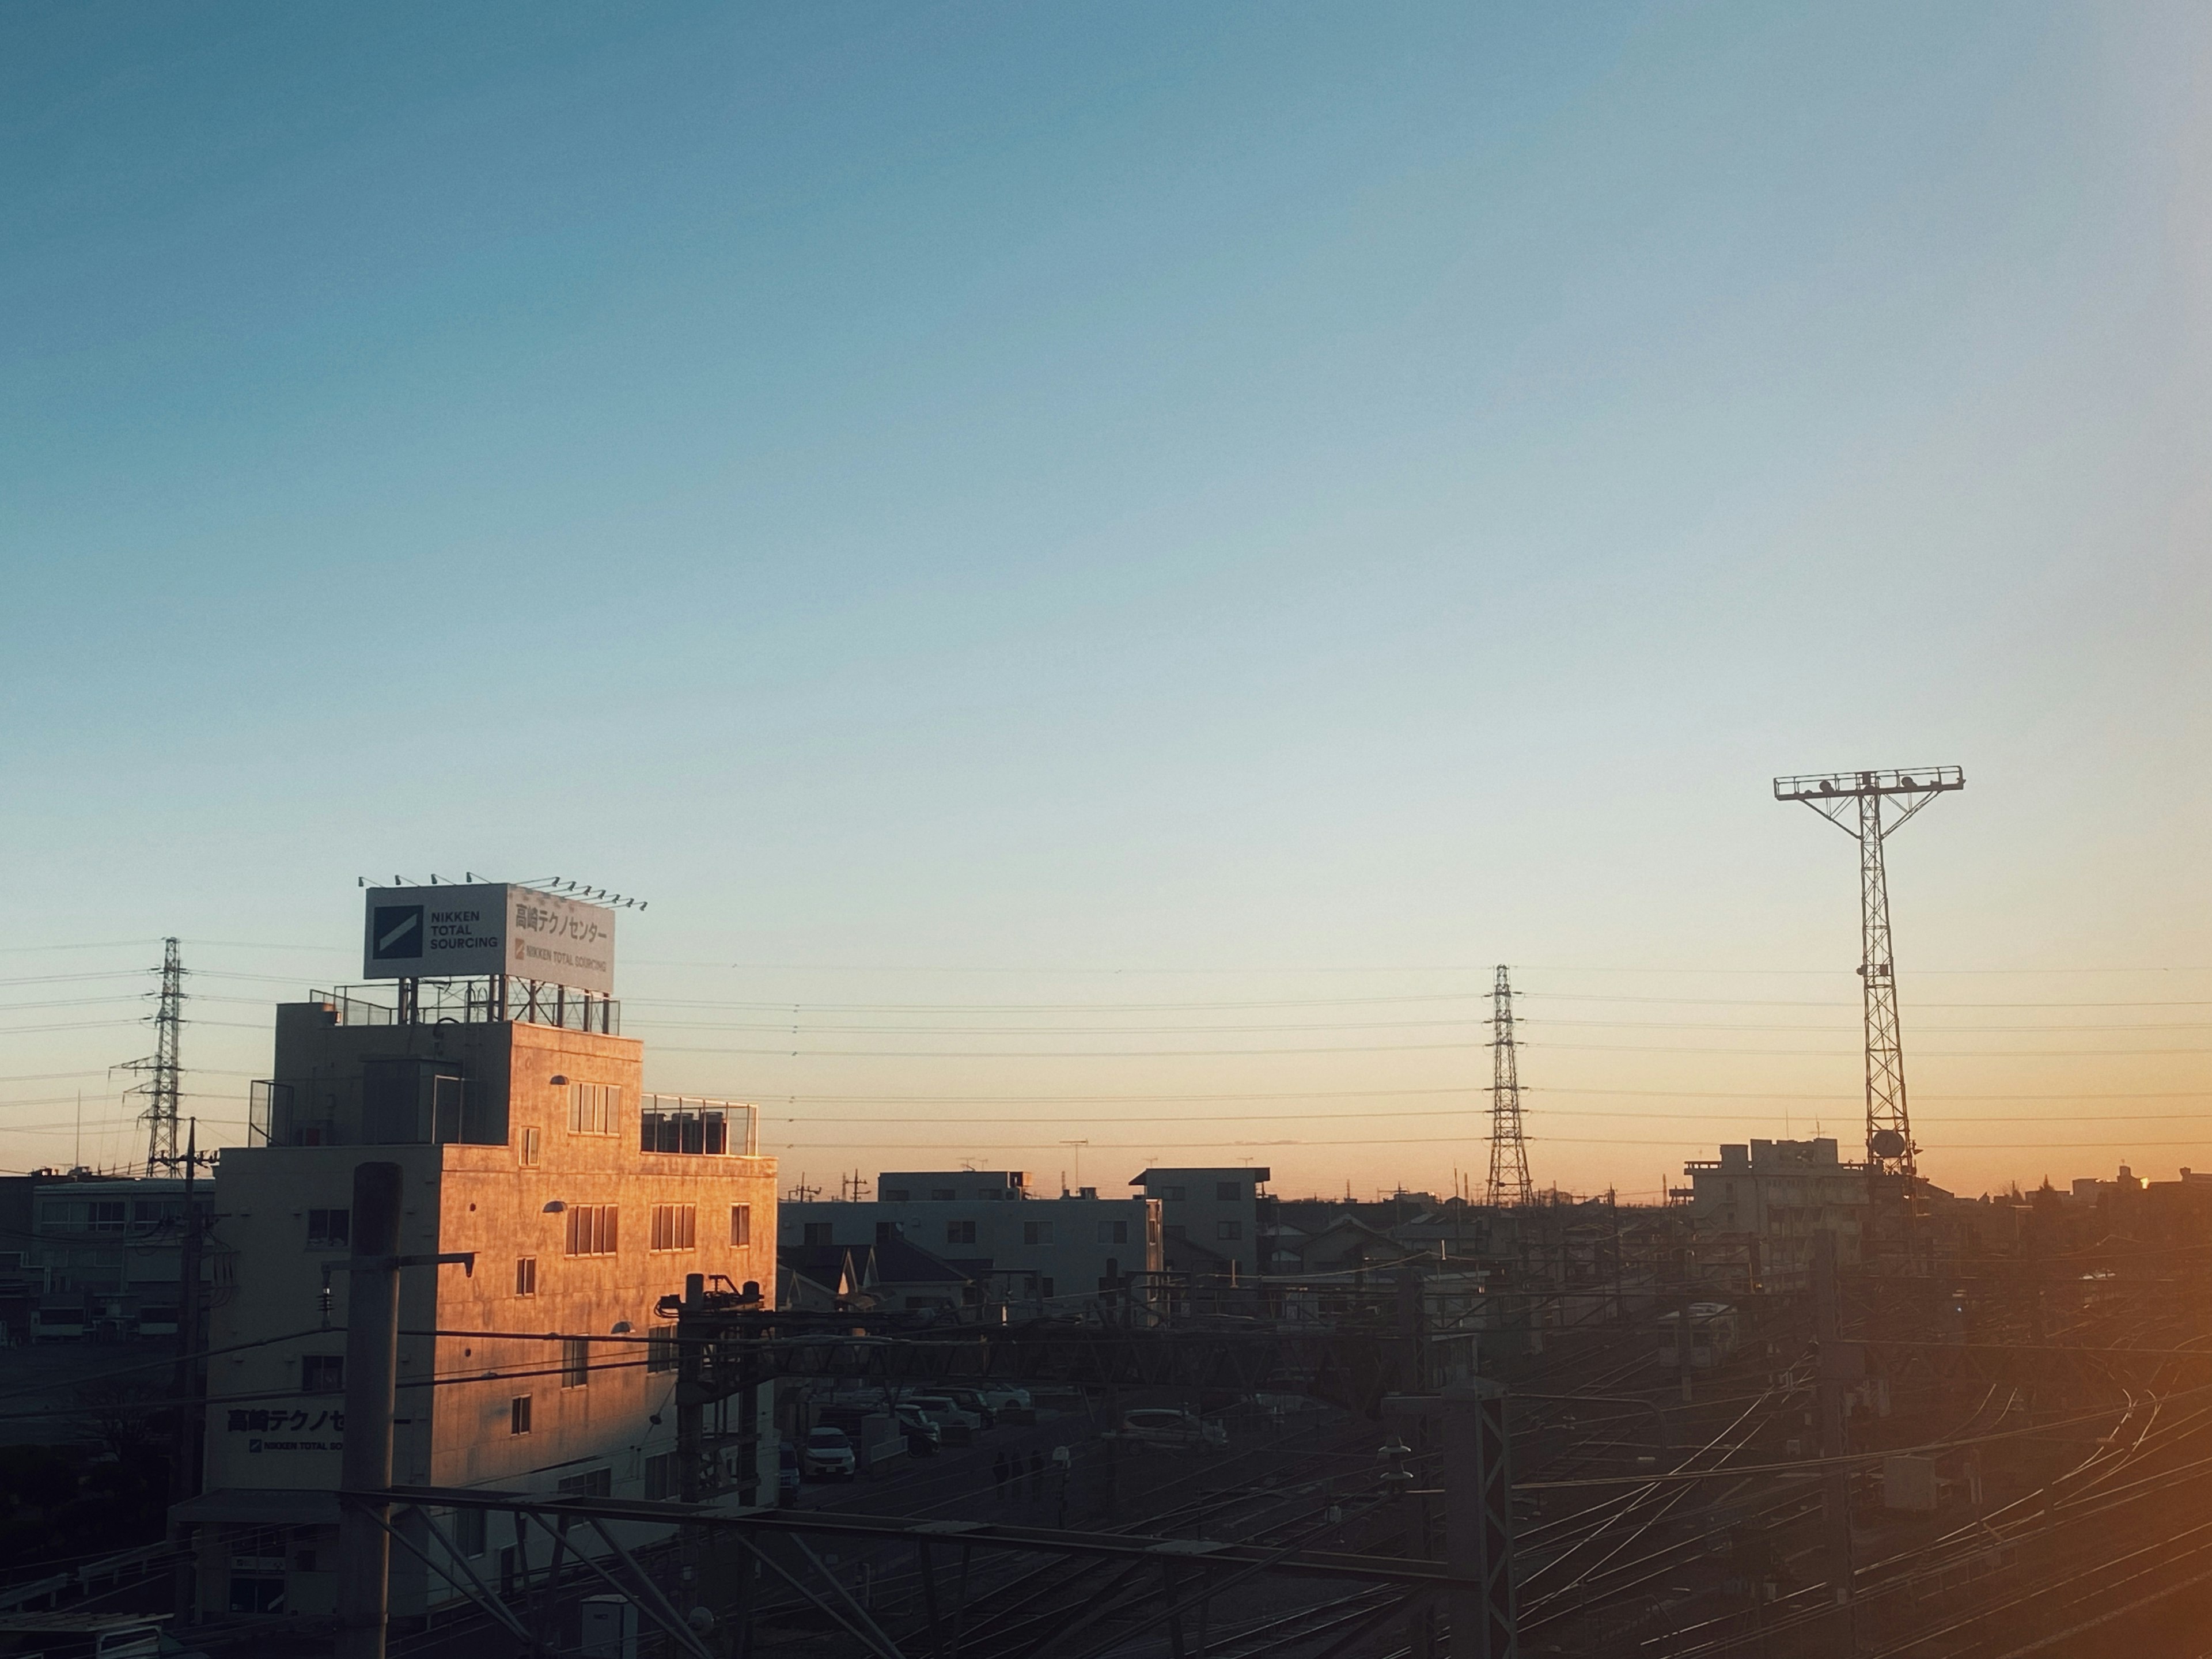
{"points": [[1508, 1152], [1853, 802]]}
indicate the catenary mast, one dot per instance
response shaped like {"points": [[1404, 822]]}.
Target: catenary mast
{"points": [[1852, 801]]}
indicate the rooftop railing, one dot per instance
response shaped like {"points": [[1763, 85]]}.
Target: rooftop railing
{"points": [[474, 1002]]}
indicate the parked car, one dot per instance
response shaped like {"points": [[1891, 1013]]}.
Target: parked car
{"points": [[922, 1433], [1000, 1395], [946, 1412], [828, 1455], [1165, 1426], [975, 1401]]}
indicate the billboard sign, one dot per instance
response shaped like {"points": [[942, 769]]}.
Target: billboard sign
{"points": [[484, 928]]}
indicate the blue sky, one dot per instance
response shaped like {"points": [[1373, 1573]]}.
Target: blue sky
{"points": [[941, 498]]}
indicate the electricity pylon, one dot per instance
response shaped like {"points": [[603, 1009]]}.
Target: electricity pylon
{"points": [[163, 1086], [1853, 802], [1508, 1152]]}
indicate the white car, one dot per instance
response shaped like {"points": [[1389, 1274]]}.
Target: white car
{"points": [[1000, 1395], [913, 1421], [946, 1412], [1165, 1426], [828, 1456]]}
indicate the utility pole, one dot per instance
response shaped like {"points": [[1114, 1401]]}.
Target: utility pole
{"points": [[184, 1481], [1852, 801], [372, 1381], [188, 1385], [163, 1085], [1509, 1150], [372, 1375]]}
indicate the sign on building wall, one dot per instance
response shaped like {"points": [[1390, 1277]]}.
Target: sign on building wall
{"points": [[453, 933]]}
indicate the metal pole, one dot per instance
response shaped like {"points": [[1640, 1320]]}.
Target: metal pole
{"points": [[371, 1375]]}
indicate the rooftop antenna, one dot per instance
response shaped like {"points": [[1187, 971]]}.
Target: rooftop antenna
{"points": [[1508, 1149], [1852, 801]]}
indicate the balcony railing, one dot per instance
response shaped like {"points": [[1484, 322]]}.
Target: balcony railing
{"points": [[689, 1123]]}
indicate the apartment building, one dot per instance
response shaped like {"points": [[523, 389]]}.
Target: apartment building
{"points": [[1036, 1254], [529, 1142], [85, 1255], [1773, 1198], [1225, 1211]]}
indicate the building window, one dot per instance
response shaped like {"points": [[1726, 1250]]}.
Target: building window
{"points": [[660, 1475], [888, 1230], [525, 1275], [741, 1223], [470, 1531], [959, 1232], [575, 1362], [1229, 1191], [593, 1107], [591, 1483], [109, 1218], [675, 1226], [817, 1232], [1113, 1232], [322, 1373], [592, 1230], [895, 1195], [1228, 1230], [328, 1229], [530, 1148], [1172, 1195], [1036, 1232], [661, 1350], [518, 1414], [1044, 1286]]}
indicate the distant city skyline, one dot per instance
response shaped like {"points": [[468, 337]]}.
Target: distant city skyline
{"points": [[1100, 568]]}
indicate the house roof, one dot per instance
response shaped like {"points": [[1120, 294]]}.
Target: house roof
{"points": [[892, 1262], [1178, 1252]]}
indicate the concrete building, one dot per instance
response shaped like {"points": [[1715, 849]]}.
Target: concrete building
{"points": [[1223, 1210], [585, 1200], [1048, 1254], [1771, 1198], [98, 1255]]}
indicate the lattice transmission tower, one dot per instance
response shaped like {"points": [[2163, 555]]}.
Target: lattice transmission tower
{"points": [[1509, 1150], [1853, 802], [163, 1087]]}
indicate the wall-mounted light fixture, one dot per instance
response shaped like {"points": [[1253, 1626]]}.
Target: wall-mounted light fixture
{"points": [[559, 1082], [553, 1207], [620, 1328]]}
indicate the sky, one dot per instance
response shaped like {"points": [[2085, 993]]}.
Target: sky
{"points": [[1099, 567]]}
